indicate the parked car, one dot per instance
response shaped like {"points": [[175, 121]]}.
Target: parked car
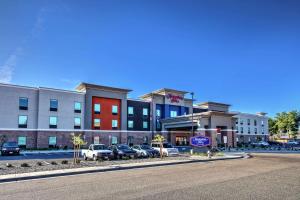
{"points": [[123, 151], [167, 150], [145, 151], [260, 144], [10, 148], [292, 142], [97, 151]]}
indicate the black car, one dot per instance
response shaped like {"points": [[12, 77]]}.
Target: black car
{"points": [[10, 148], [123, 151], [147, 150]]}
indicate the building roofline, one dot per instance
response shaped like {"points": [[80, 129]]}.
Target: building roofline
{"points": [[84, 85], [60, 90], [211, 102], [140, 100], [18, 86], [159, 91]]}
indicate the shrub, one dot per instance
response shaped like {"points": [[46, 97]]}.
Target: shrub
{"points": [[39, 163], [25, 165], [53, 163], [64, 162], [9, 165]]}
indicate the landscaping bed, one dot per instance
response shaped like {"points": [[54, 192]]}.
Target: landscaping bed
{"points": [[26, 166]]}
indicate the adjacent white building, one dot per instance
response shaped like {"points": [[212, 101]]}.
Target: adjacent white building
{"points": [[251, 127]]}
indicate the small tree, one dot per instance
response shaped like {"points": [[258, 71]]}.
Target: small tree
{"points": [[77, 143], [159, 139]]}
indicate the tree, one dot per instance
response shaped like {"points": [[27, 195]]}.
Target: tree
{"points": [[77, 143], [159, 139], [273, 129]]}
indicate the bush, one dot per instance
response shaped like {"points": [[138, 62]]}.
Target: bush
{"points": [[25, 165], [53, 163], [64, 162], [9, 165], [39, 163]]}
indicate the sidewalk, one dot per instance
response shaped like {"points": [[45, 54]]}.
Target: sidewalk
{"points": [[86, 170]]}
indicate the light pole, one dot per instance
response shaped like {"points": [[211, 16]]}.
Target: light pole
{"points": [[192, 93]]}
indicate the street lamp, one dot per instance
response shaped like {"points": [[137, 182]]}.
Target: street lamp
{"points": [[192, 94]]}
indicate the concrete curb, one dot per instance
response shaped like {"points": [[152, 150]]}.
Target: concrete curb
{"points": [[77, 171]]}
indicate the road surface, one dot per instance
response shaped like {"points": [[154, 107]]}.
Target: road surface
{"points": [[272, 176]]}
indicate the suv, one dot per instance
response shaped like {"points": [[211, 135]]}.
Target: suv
{"points": [[123, 150], [96, 151], [10, 148], [167, 150]]}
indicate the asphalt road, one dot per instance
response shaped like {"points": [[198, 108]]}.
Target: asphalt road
{"points": [[269, 176], [37, 156]]}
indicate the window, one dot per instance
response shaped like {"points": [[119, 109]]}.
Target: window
{"points": [[158, 113], [146, 139], [52, 141], [97, 108], [77, 123], [237, 129], [158, 124], [130, 110], [77, 107], [23, 103], [237, 121], [97, 123], [248, 120], [114, 140], [173, 113], [53, 104], [242, 130], [262, 123], [241, 122], [114, 110], [23, 121], [96, 140], [249, 130], [255, 130], [53, 122], [22, 141], [145, 124], [186, 110], [255, 122], [114, 124], [130, 140], [262, 131], [145, 111], [130, 124]]}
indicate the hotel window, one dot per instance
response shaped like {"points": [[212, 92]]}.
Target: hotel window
{"points": [[241, 121], [130, 110], [52, 141], [77, 107], [96, 139], [248, 120], [262, 131], [77, 122], [23, 121], [173, 113], [114, 140], [186, 110], [22, 141], [255, 130], [158, 124], [23, 103], [53, 105], [114, 110], [237, 121], [237, 129], [145, 111], [262, 123], [130, 124], [97, 108], [158, 113], [249, 130], [114, 124], [52, 122], [97, 123], [145, 124], [255, 122], [242, 130]]}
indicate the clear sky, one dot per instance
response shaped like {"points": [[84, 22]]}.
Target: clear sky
{"points": [[242, 52]]}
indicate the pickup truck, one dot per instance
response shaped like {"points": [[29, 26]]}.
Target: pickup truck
{"points": [[97, 151]]}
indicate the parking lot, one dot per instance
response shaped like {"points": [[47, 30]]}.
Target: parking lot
{"points": [[37, 156]]}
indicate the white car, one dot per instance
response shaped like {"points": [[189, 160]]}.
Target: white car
{"points": [[291, 142], [97, 151], [167, 150], [261, 144]]}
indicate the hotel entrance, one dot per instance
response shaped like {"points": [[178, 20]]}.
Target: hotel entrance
{"points": [[182, 141]]}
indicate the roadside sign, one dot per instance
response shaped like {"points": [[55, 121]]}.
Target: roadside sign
{"points": [[225, 139], [200, 141]]}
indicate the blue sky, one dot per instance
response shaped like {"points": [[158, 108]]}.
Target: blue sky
{"points": [[242, 52]]}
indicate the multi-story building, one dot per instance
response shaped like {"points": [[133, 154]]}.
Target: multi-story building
{"points": [[38, 117], [252, 127]]}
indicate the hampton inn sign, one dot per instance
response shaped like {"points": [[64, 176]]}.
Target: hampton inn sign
{"points": [[174, 98]]}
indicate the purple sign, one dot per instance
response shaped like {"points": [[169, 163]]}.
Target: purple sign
{"points": [[200, 141]]}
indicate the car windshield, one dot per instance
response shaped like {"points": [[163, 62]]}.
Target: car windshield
{"points": [[100, 147], [123, 147], [145, 147], [166, 145], [10, 144]]}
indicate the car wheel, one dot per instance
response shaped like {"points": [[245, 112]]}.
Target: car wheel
{"points": [[84, 157], [94, 158]]}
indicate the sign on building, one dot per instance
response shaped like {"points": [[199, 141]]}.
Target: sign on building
{"points": [[200, 141]]}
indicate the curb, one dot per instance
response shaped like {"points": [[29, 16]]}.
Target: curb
{"points": [[109, 168]]}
